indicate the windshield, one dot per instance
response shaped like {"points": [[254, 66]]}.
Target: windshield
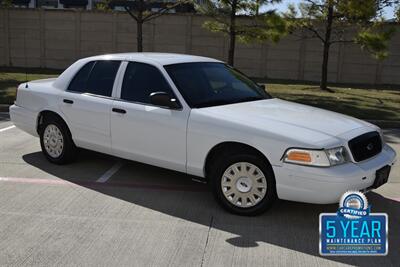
{"points": [[212, 84]]}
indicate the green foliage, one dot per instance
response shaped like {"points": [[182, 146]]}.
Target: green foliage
{"points": [[269, 26], [104, 5], [142, 11], [6, 3], [375, 41], [249, 25], [216, 26], [357, 10], [342, 21], [351, 21], [398, 13]]}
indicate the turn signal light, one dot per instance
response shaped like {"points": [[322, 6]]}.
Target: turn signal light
{"points": [[299, 156]]}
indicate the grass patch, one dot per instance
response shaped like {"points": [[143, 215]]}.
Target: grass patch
{"points": [[369, 104], [9, 82]]}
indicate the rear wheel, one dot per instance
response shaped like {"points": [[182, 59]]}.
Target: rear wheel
{"points": [[56, 140], [243, 184]]}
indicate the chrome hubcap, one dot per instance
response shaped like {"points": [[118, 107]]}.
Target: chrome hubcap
{"points": [[53, 141], [244, 184]]}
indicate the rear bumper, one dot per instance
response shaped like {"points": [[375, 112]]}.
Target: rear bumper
{"points": [[326, 185], [24, 119]]}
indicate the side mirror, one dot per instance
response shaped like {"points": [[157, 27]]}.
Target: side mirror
{"points": [[163, 99], [262, 86]]}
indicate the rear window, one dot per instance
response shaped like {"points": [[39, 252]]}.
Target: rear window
{"points": [[96, 77], [78, 83]]}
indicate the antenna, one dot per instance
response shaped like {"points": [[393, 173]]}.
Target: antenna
{"points": [[25, 62]]}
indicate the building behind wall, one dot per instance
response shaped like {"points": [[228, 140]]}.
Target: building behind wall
{"points": [[91, 4]]}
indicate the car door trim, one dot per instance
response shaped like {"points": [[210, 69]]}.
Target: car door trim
{"points": [[147, 104], [119, 80]]}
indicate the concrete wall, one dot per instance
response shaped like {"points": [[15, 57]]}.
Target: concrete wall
{"points": [[56, 38]]}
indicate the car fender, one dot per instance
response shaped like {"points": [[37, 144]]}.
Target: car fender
{"points": [[204, 134]]}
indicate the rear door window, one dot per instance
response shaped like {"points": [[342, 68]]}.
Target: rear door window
{"points": [[102, 76], [78, 83], [96, 77]]}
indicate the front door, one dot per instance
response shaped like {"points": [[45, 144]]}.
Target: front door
{"points": [[143, 132]]}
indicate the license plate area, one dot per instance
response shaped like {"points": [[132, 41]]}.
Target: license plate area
{"points": [[381, 176]]}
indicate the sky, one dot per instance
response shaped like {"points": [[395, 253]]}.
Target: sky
{"points": [[388, 13]]}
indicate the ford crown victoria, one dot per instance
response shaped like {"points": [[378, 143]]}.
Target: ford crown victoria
{"points": [[200, 116]]}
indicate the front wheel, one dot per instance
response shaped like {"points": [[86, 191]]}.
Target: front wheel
{"points": [[244, 184]]}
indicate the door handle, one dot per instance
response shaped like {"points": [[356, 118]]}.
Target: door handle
{"points": [[68, 101], [118, 110]]}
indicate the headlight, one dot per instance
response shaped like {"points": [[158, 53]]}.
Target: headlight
{"points": [[336, 155], [320, 158]]}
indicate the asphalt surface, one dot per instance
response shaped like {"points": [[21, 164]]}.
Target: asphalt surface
{"points": [[104, 211]]}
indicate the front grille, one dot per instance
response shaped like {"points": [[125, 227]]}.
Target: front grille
{"points": [[365, 146]]}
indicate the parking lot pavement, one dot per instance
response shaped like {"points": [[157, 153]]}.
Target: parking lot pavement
{"points": [[102, 211]]}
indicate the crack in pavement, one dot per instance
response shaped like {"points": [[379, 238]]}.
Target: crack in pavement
{"points": [[205, 245]]}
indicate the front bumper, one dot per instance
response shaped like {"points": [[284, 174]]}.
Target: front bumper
{"points": [[326, 185]]}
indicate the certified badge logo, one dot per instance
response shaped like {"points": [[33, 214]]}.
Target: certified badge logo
{"points": [[353, 205], [353, 230]]}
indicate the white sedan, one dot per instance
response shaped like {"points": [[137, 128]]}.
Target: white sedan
{"points": [[200, 116]]}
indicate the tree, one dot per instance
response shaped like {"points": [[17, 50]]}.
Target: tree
{"points": [[331, 21], [226, 18], [143, 11], [6, 4]]}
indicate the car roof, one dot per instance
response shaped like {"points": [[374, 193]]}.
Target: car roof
{"points": [[159, 58], [147, 57]]}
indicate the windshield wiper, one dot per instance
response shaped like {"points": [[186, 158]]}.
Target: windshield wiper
{"points": [[213, 103], [226, 102], [248, 99]]}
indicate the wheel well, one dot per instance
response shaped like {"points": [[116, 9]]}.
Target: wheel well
{"points": [[229, 147], [47, 114]]}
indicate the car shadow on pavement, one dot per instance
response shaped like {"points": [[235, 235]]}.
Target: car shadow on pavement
{"points": [[4, 117], [289, 225]]}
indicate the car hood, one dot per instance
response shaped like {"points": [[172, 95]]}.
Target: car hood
{"points": [[297, 121]]}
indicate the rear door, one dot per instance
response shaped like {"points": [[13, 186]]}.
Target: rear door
{"points": [[87, 104], [144, 132]]}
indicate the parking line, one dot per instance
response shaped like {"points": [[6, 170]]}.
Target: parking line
{"points": [[7, 128], [35, 181], [107, 175], [93, 184]]}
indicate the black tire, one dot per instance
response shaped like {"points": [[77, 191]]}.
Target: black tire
{"points": [[69, 149], [226, 160]]}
